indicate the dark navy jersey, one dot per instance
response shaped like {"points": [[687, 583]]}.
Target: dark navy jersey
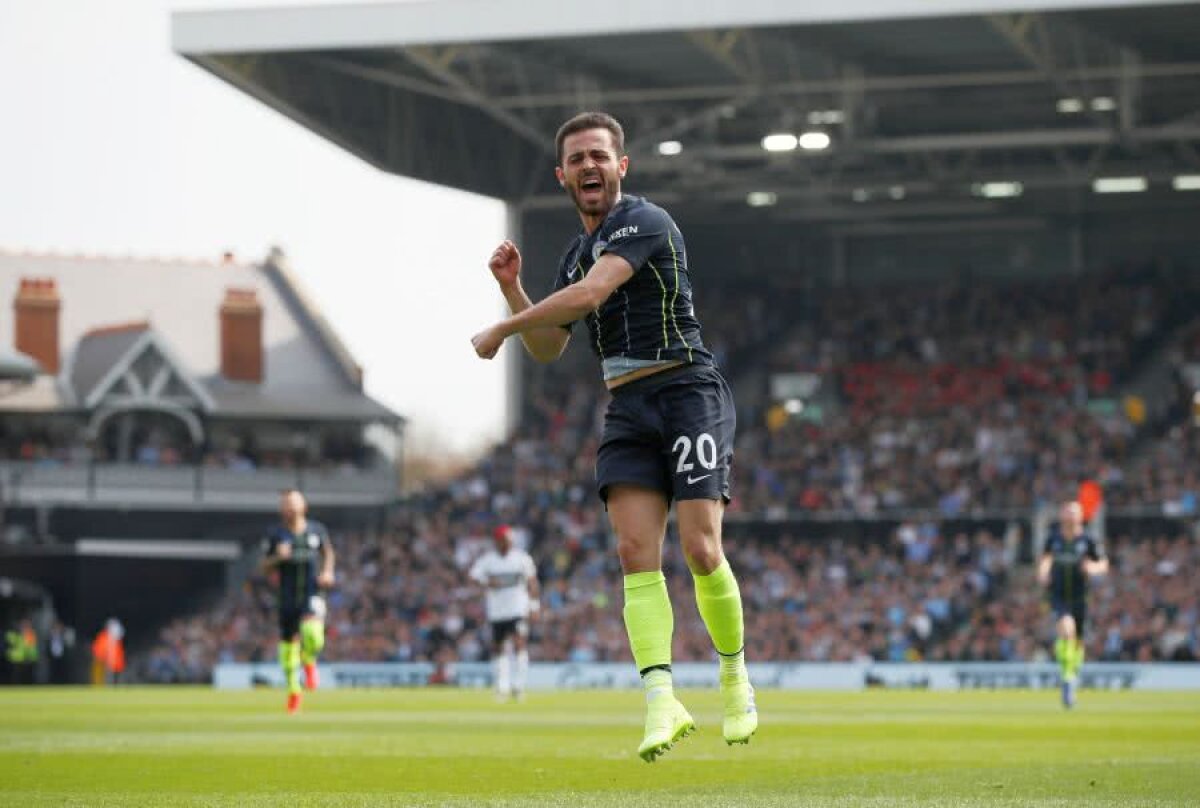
{"points": [[298, 574], [650, 316], [1068, 581]]}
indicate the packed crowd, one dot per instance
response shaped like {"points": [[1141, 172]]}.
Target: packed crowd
{"points": [[1149, 607], [923, 348], [920, 595], [939, 399], [959, 399], [1167, 472], [942, 402]]}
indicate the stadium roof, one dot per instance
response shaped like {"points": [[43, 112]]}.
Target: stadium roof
{"points": [[951, 105]]}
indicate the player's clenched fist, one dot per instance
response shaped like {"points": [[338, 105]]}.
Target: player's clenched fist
{"points": [[488, 342], [505, 263]]}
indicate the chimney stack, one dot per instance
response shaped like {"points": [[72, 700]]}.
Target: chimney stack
{"points": [[36, 309], [241, 336]]}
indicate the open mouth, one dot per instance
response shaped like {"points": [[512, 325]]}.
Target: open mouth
{"points": [[591, 186]]}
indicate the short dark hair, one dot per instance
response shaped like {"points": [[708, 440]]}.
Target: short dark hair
{"points": [[590, 120]]}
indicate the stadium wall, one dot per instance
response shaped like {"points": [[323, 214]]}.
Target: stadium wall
{"points": [[781, 675]]}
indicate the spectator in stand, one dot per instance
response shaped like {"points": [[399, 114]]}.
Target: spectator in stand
{"points": [[108, 653]]}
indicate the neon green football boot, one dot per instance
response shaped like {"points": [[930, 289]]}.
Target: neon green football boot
{"points": [[741, 714], [667, 723]]}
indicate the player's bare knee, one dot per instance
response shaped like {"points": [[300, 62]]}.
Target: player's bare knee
{"points": [[704, 559], [700, 534], [638, 553], [702, 550]]}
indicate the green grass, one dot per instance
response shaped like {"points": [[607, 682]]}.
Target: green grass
{"points": [[198, 747]]}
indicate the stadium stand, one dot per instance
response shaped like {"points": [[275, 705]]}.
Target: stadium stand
{"points": [[949, 405], [922, 595]]}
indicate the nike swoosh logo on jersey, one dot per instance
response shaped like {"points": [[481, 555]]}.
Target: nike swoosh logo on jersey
{"points": [[694, 480]]}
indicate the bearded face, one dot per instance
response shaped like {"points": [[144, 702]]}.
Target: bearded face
{"points": [[591, 171]]}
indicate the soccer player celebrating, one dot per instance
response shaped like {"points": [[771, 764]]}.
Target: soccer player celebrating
{"points": [[510, 578], [1069, 559], [299, 551], [668, 433]]}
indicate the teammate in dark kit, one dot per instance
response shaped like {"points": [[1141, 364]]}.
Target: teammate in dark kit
{"points": [[1069, 559], [668, 433], [299, 552]]}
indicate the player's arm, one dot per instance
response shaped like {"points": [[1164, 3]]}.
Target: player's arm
{"points": [[1043, 570], [1095, 563], [561, 308], [274, 554], [328, 561], [479, 576], [543, 344]]}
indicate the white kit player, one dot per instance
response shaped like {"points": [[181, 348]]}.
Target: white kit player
{"points": [[509, 576]]}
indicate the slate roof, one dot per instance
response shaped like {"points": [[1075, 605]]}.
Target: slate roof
{"points": [[109, 303]]}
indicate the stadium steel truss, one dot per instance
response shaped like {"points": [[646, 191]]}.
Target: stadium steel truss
{"points": [[958, 108]]}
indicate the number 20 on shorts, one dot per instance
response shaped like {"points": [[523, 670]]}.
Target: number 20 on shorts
{"points": [[706, 452]]}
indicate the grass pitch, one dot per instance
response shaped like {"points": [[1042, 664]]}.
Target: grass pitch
{"points": [[199, 747]]}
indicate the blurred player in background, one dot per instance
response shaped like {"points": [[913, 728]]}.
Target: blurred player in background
{"points": [[299, 553], [21, 652], [669, 429], [509, 577], [1069, 559]]}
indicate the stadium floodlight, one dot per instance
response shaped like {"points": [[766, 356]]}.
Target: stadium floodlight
{"points": [[1069, 106], [670, 148], [1120, 185], [822, 117], [897, 192], [997, 190], [780, 142], [761, 199], [860, 195], [1102, 103], [814, 141], [1186, 182]]}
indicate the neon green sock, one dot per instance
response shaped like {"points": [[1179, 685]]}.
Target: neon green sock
{"points": [[312, 640], [648, 618], [720, 604], [1062, 655], [289, 660]]}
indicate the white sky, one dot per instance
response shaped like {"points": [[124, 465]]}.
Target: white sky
{"points": [[110, 143]]}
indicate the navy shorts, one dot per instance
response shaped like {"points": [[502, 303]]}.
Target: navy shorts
{"points": [[672, 432], [1061, 607], [291, 617], [289, 623]]}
